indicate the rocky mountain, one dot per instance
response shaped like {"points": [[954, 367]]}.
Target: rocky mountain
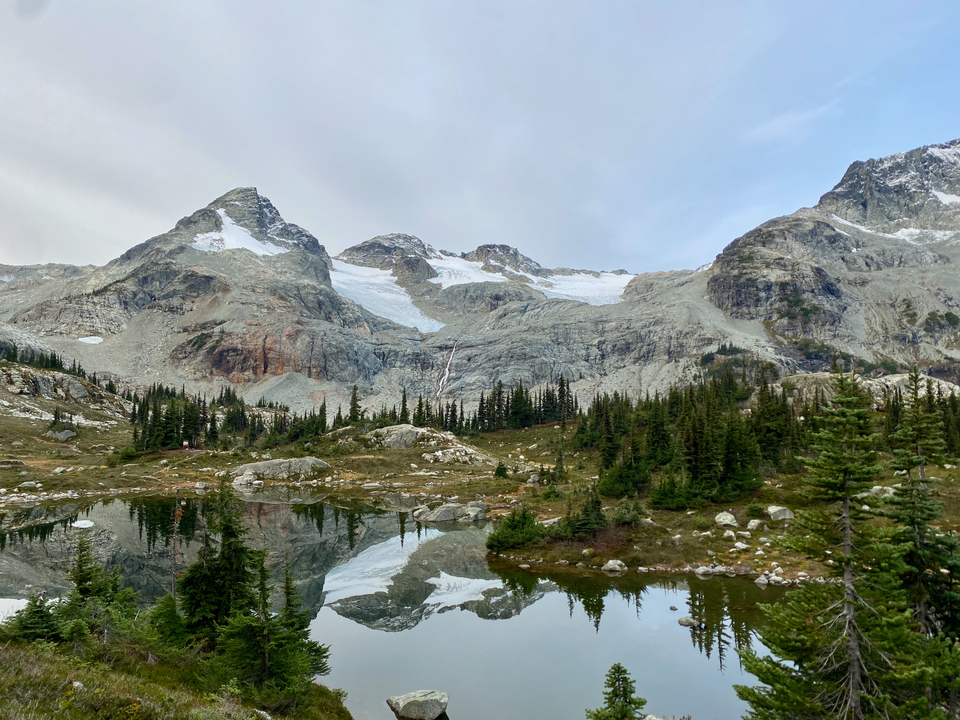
{"points": [[234, 294]]}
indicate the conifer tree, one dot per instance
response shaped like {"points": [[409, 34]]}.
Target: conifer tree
{"points": [[355, 412], [404, 411], [620, 703], [843, 650]]}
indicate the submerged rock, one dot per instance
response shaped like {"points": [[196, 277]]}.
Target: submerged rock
{"points": [[419, 705], [688, 622]]}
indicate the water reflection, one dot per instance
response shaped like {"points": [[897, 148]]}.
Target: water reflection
{"points": [[372, 574]]}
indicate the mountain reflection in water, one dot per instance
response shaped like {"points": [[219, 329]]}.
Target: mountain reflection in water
{"points": [[384, 590]]}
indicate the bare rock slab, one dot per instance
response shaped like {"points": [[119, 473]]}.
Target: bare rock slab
{"points": [[419, 705]]}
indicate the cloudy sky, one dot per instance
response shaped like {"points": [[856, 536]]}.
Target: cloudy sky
{"points": [[599, 134]]}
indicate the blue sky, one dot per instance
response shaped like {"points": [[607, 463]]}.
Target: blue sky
{"points": [[642, 135]]}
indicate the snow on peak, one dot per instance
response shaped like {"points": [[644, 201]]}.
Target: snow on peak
{"points": [[377, 291], [948, 152], [233, 237], [453, 270], [946, 198]]}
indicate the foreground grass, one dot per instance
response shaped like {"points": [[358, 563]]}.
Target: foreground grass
{"points": [[38, 682]]}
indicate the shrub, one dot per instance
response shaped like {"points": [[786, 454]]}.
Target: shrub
{"points": [[501, 471], [628, 512], [552, 492], [519, 528], [755, 509]]}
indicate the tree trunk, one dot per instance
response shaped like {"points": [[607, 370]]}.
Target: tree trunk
{"points": [[854, 709]]}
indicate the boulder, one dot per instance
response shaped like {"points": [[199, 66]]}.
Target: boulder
{"points": [[754, 524], [534, 479], [452, 512], [778, 512], [614, 566], [726, 519], [202, 486], [61, 436], [399, 437], [419, 705], [688, 622], [729, 535], [11, 464], [741, 546], [281, 469]]}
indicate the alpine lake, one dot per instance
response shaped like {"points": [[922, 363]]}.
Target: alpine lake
{"points": [[407, 607]]}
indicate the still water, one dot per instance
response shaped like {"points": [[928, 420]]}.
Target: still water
{"points": [[406, 607]]}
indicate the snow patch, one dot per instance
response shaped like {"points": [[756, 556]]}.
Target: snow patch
{"points": [[946, 198], [82, 524], [377, 291], [91, 340], [594, 289], [947, 154], [457, 271], [233, 237], [584, 287], [914, 236], [8, 606], [7, 278]]}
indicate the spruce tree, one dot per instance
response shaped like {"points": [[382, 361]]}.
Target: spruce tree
{"points": [[355, 412], [620, 703], [842, 650], [200, 593], [404, 411]]}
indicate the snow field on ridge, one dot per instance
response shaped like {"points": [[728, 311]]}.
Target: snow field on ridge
{"points": [[377, 291]]}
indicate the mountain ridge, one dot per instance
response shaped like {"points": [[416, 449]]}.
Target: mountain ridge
{"points": [[234, 294]]}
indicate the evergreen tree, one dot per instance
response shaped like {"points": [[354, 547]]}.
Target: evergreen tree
{"points": [[932, 559], [35, 621], [297, 623], [620, 703], [840, 650], [404, 411], [355, 413], [200, 593]]}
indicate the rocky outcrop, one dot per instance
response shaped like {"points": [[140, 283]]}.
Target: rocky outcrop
{"points": [[419, 705], [473, 511], [283, 469]]}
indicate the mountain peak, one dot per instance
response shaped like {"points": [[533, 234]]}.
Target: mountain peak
{"points": [[382, 250], [497, 258], [918, 189]]}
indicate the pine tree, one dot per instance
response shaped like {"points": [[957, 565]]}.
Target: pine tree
{"points": [[200, 593], [355, 413], [35, 621], [840, 650], [297, 623], [620, 703], [404, 411], [932, 559]]}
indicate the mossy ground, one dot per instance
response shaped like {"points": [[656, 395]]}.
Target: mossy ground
{"points": [[38, 682]]}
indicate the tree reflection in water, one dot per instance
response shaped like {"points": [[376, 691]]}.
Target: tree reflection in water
{"points": [[725, 608]]}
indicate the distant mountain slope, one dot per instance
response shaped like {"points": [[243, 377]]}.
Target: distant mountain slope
{"points": [[234, 294]]}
